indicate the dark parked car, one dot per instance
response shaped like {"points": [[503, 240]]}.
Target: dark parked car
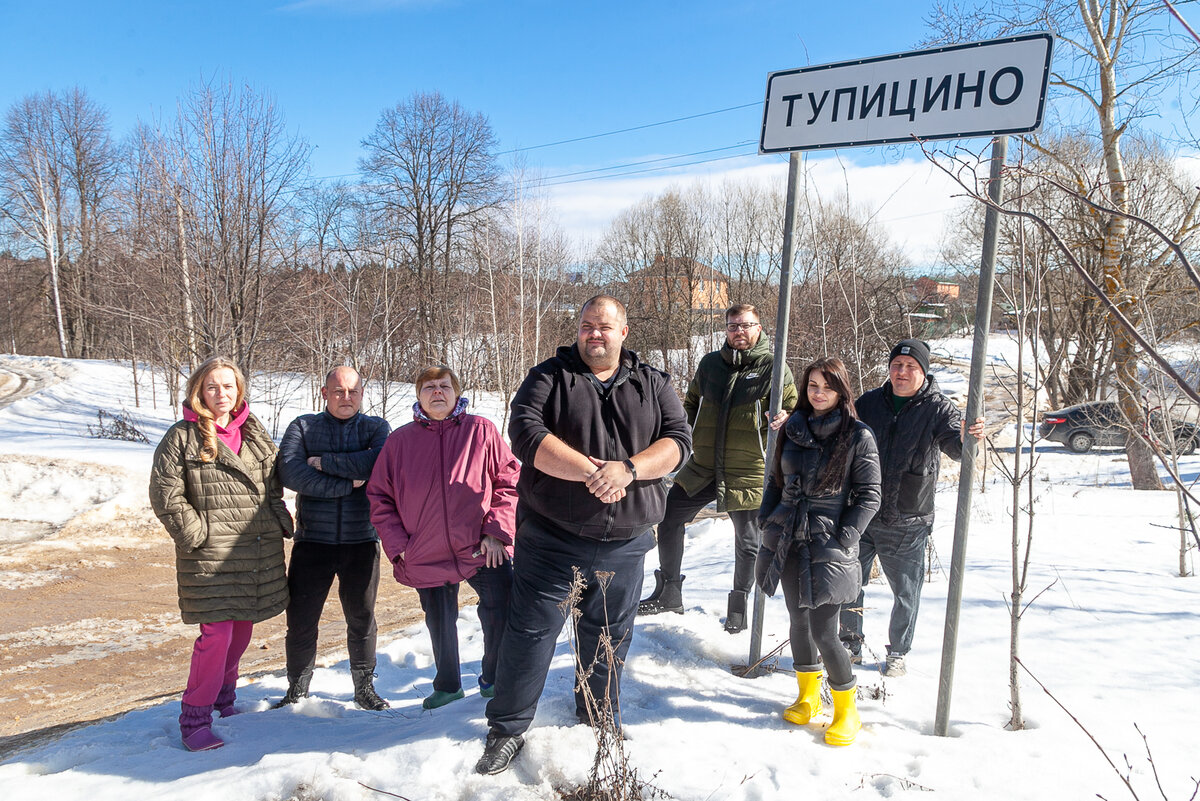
{"points": [[1101, 423]]}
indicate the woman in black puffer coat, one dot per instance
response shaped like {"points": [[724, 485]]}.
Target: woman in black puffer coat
{"points": [[824, 489]]}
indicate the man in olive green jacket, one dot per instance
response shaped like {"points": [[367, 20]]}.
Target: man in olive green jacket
{"points": [[728, 405]]}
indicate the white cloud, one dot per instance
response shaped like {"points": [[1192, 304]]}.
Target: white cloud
{"points": [[910, 198]]}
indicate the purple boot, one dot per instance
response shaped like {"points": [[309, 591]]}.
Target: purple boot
{"points": [[195, 725], [224, 703]]}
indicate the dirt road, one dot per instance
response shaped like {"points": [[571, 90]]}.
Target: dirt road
{"points": [[86, 633]]}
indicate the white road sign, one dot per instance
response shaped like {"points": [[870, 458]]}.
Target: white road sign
{"points": [[978, 89]]}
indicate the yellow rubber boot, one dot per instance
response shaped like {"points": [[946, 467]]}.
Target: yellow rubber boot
{"points": [[846, 723], [808, 703]]}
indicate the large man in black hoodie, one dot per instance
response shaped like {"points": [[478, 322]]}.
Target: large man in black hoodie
{"points": [[595, 430], [913, 423]]}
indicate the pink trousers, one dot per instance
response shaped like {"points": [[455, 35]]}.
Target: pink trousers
{"points": [[215, 658]]}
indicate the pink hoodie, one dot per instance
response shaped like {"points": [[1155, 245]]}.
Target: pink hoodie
{"points": [[437, 488], [231, 435]]}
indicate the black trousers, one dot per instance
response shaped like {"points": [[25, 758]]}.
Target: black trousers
{"points": [[813, 631], [682, 509], [311, 572], [493, 586], [542, 579]]}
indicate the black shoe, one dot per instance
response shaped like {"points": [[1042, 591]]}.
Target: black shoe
{"points": [[297, 689], [498, 753], [364, 690], [854, 646]]}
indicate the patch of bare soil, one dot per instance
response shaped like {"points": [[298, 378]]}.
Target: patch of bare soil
{"points": [[88, 633]]}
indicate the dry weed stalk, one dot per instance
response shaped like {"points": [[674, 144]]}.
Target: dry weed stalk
{"points": [[1126, 777], [611, 778]]}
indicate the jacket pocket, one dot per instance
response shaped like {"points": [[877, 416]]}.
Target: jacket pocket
{"points": [[916, 494]]}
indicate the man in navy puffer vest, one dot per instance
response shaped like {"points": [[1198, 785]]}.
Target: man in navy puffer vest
{"points": [[327, 458]]}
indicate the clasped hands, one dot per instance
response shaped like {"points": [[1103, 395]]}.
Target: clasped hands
{"points": [[609, 480]]}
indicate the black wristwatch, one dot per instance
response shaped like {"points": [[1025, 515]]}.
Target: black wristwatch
{"points": [[629, 463]]}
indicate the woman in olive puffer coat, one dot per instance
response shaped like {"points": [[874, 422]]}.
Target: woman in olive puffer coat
{"points": [[215, 488], [823, 491]]}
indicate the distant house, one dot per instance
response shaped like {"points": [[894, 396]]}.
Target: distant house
{"points": [[934, 289], [933, 298], [675, 283]]}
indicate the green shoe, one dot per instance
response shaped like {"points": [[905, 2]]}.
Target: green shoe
{"points": [[440, 698], [487, 690]]}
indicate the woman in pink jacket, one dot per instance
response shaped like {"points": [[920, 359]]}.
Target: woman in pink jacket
{"points": [[443, 499]]}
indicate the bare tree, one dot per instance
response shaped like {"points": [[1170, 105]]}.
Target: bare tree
{"points": [[57, 167], [1118, 56], [655, 254], [431, 170], [746, 231], [850, 294], [239, 172]]}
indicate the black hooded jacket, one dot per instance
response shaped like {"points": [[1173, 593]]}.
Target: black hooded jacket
{"points": [[821, 526], [559, 397], [909, 444]]}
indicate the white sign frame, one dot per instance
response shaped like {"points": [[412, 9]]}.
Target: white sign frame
{"points": [[986, 88]]}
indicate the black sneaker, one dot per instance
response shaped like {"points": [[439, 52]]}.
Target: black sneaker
{"points": [[498, 753]]}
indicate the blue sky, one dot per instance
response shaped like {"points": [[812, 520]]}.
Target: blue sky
{"points": [[540, 71]]}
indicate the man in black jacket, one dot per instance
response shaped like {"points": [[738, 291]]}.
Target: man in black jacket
{"points": [[913, 423], [595, 430], [327, 458]]}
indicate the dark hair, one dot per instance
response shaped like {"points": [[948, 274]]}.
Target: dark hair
{"points": [[741, 308], [834, 370]]}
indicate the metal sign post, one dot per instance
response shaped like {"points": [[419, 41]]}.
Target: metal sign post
{"points": [[782, 319], [966, 476]]}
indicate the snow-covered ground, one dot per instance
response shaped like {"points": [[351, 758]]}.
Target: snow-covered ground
{"points": [[1114, 634]]}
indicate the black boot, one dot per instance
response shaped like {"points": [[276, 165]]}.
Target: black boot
{"points": [[656, 593], [297, 689], [364, 690], [667, 596], [735, 615]]}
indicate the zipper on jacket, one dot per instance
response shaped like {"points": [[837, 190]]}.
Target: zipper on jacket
{"points": [[758, 428], [337, 533], [443, 482]]}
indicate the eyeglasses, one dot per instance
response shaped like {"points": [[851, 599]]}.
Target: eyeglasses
{"points": [[733, 328]]}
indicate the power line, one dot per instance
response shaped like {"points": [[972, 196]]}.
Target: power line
{"points": [[609, 133], [627, 130], [649, 161], [651, 169]]}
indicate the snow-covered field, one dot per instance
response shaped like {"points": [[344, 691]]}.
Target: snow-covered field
{"points": [[1114, 634]]}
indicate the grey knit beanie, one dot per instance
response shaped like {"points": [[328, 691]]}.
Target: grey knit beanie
{"points": [[916, 349]]}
